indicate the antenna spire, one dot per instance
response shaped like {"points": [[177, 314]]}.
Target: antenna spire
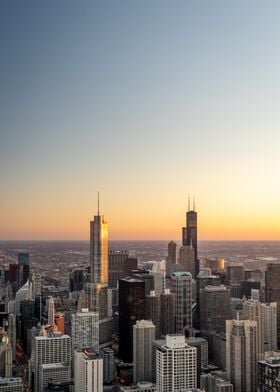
{"points": [[98, 203], [193, 203], [189, 203]]}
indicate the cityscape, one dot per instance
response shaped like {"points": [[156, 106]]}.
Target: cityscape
{"points": [[79, 316], [139, 196]]}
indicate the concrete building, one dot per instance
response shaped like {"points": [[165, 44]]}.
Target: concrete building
{"points": [[215, 382], [153, 311], [181, 283], [241, 354], [175, 365], [88, 371], [109, 372], [11, 384], [142, 386], [269, 372], [214, 308], [201, 354], [144, 332], [85, 330]]}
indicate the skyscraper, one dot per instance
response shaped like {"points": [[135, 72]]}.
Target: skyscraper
{"points": [[272, 290], [131, 309], [144, 332], [85, 330], [172, 257], [167, 310], [51, 311], [241, 355], [181, 283], [98, 249], [88, 371], [175, 365], [152, 310], [189, 234]]}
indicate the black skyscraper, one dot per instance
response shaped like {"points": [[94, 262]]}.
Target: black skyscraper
{"points": [[189, 234], [131, 309]]}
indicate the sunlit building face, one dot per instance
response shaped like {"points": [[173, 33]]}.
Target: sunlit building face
{"points": [[99, 250]]}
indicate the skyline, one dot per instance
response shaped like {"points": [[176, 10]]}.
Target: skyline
{"points": [[147, 102]]}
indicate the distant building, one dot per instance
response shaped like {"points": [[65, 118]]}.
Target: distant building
{"points": [[187, 259], [167, 306], [189, 234], [171, 257], [153, 311], [272, 290]]}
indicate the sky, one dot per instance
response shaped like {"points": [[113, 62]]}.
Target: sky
{"points": [[147, 102]]}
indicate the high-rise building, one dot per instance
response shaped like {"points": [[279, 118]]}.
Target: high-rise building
{"points": [[85, 330], [241, 354], [98, 250], [175, 365], [269, 371], [117, 261], [201, 354], [152, 310], [189, 234], [23, 258], [167, 317], [141, 386], [214, 308], [171, 257], [88, 371], [131, 309], [51, 311], [272, 290], [59, 321], [50, 349], [109, 371], [216, 382], [181, 283], [11, 384], [235, 272], [144, 332], [187, 259], [78, 279]]}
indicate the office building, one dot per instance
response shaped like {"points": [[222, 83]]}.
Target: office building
{"points": [[272, 290], [142, 386], [171, 257], [187, 259], [269, 372], [175, 365], [88, 371], [144, 332], [54, 372], [109, 371], [167, 316], [215, 381], [51, 311], [235, 272], [131, 309], [23, 258], [49, 349], [181, 283], [85, 330], [189, 234], [78, 279], [117, 267], [201, 354], [214, 308], [241, 362], [11, 384], [152, 310]]}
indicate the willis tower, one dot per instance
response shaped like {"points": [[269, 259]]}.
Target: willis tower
{"points": [[189, 233]]}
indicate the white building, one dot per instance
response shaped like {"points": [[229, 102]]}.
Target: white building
{"points": [[53, 349], [175, 365], [144, 332], [85, 330], [88, 371]]}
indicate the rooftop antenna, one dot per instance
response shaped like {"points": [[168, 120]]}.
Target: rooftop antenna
{"points": [[98, 203], [189, 203], [193, 203]]}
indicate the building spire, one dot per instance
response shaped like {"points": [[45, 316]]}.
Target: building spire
{"points": [[189, 203], [193, 203], [98, 203]]}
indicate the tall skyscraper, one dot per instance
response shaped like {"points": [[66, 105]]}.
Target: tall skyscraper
{"points": [[167, 310], [175, 365], [187, 259], [241, 354], [189, 233], [152, 310], [144, 332], [51, 311], [214, 308], [88, 371], [98, 249], [85, 330], [131, 309], [117, 260], [181, 283]]}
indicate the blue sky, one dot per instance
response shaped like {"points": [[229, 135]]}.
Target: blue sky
{"points": [[146, 101]]}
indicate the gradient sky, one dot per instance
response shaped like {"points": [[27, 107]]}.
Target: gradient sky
{"points": [[146, 101]]}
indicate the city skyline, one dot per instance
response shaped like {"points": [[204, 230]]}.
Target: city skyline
{"points": [[146, 102]]}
